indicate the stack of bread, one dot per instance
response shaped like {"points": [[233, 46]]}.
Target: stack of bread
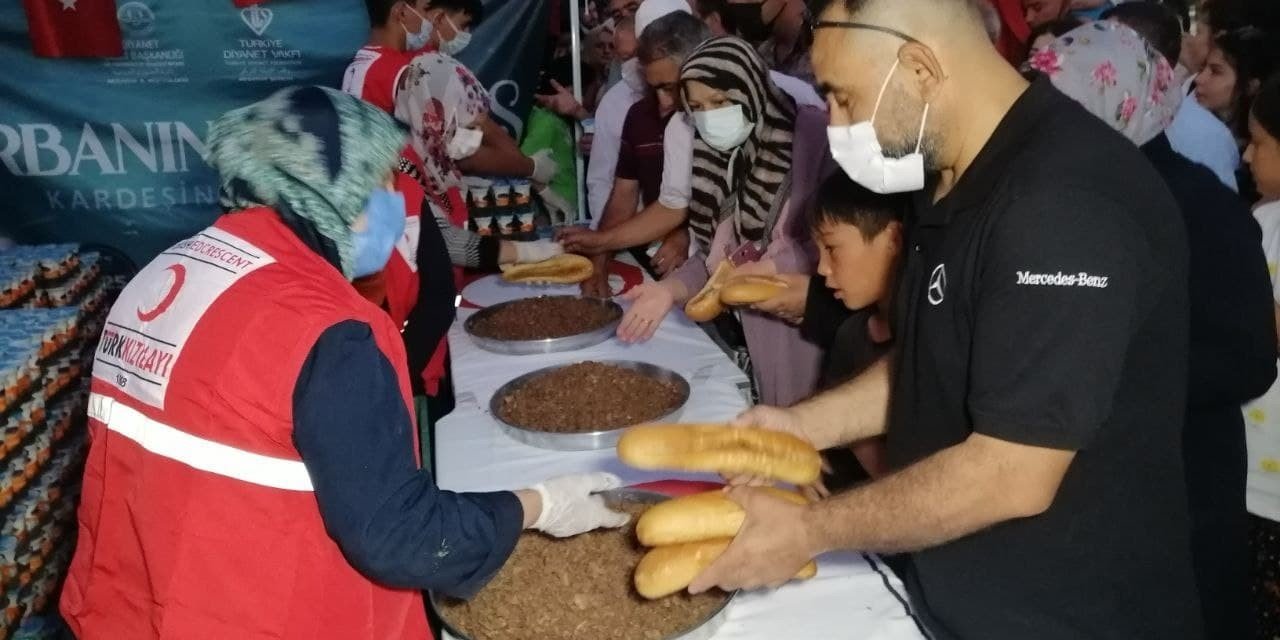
{"points": [[687, 534]]}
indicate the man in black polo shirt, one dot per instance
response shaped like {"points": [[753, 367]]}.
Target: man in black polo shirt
{"points": [[1035, 406]]}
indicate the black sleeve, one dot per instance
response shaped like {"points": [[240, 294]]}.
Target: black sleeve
{"points": [[823, 314], [393, 524], [434, 310], [1055, 306], [488, 253], [1233, 331]]}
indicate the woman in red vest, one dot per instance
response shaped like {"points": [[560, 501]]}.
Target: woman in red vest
{"points": [[252, 473]]}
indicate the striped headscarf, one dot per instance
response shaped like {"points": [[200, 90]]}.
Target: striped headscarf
{"points": [[759, 183], [312, 154]]}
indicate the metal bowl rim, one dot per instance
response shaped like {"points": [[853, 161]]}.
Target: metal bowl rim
{"points": [[543, 345], [634, 365]]}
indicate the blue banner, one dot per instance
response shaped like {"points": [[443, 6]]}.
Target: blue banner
{"points": [[111, 151]]}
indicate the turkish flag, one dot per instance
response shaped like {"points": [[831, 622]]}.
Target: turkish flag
{"points": [[74, 28], [247, 3]]}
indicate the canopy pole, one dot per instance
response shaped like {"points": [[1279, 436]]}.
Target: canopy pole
{"points": [[575, 30]]}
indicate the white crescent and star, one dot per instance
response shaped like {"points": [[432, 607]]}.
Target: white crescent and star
{"points": [[68, 5]]}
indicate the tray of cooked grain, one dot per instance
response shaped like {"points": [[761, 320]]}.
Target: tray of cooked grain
{"points": [[581, 588], [586, 405], [545, 324]]}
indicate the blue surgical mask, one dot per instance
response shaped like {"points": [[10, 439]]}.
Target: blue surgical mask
{"points": [[459, 42], [415, 41], [384, 222]]}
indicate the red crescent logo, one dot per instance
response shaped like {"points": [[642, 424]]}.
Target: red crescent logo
{"points": [[179, 277]]}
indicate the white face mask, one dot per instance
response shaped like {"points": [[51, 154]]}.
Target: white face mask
{"points": [[465, 142], [414, 41], [857, 150], [725, 128], [459, 42]]}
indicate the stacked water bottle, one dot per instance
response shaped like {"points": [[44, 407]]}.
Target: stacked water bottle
{"points": [[507, 209], [53, 304]]}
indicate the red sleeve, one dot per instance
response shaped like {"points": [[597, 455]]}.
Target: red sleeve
{"points": [[382, 78]]}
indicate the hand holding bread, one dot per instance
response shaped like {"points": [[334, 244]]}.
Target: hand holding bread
{"points": [[688, 535]]}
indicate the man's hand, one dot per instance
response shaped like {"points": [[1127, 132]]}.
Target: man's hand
{"points": [[673, 252], [786, 421], [770, 548], [583, 240], [597, 286], [790, 304], [562, 102], [650, 303]]}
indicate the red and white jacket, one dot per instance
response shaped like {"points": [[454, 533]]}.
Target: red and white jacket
{"points": [[198, 519], [374, 75]]}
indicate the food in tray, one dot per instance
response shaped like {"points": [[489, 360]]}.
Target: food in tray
{"points": [[742, 290], [721, 449], [567, 268], [705, 306], [544, 318], [688, 534], [586, 397], [575, 589]]}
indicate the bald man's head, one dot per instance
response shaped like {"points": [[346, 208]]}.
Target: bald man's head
{"points": [[922, 52]]}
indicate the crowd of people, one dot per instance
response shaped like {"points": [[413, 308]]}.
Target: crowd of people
{"points": [[1032, 310]]}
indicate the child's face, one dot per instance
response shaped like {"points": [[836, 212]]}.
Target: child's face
{"points": [[1263, 157], [859, 271]]}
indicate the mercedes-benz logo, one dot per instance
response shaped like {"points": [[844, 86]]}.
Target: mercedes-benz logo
{"points": [[938, 285]]}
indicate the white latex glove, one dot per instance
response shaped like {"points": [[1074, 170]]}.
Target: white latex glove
{"points": [[544, 168], [537, 251], [569, 508], [556, 203]]}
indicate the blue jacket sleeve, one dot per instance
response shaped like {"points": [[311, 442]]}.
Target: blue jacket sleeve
{"points": [[392, 522]]}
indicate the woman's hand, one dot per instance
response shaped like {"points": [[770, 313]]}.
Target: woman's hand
{"points": [[788, 305], [650, 303], [765, 267]]}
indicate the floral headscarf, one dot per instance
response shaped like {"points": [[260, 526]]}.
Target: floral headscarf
{"points": [[311, 153], [1117, 75], [439, 95]]}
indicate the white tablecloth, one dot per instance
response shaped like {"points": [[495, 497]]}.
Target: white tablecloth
{"points": [[849, 597]]}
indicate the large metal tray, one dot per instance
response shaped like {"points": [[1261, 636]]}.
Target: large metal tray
{"points": [[704, 630], [592, 440], [548, 345]]}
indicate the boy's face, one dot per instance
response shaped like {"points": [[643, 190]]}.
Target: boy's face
{"points": [[859, 271]]}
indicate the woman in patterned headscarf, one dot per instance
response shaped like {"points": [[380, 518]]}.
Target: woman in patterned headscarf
{"points": [[758, 158], [1124, 81]]}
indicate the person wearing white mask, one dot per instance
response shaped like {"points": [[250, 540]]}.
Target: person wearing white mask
{"points": [[399, 30], [758, 157], [1034, 405]]}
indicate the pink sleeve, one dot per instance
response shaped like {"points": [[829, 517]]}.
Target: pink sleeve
{"points": [[791, 254]]}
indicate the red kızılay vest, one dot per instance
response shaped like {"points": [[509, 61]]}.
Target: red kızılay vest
{"points": [[198, 519]]}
